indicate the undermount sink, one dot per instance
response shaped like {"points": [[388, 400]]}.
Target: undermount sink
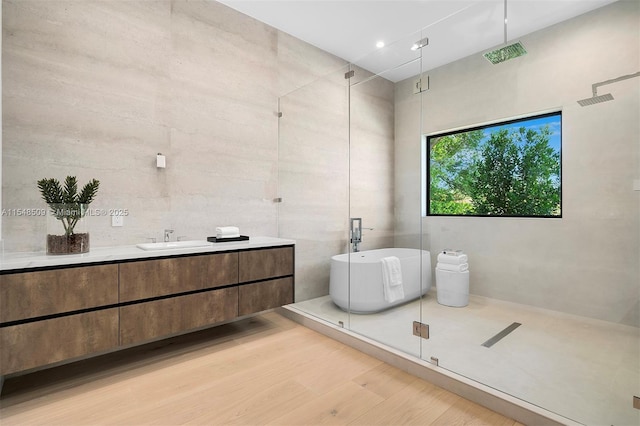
{"points": [[173, 245]]}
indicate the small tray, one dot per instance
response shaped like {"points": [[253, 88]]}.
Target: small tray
{"points": [[224, 240]]}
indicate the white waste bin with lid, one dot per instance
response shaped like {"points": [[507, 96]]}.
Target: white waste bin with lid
{"points": [[452, 288]]}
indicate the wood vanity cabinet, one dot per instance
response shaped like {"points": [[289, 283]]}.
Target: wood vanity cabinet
{"points": [[264, 295], [63, 313], [183, 279], [43, 319], [39, 343], [150, 320], [252, 282], [158, 277], [35, 294], [266, 263], [274, 269]]}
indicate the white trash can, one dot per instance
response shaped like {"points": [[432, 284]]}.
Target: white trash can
{"points": [[452, 288]]}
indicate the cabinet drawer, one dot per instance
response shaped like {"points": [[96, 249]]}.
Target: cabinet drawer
{"points": [[150, 320], [151, 278], [268, 263], [33, 294], [40, 343], [264, 295]]}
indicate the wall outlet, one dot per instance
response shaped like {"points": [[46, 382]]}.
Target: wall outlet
{"points": [[117, 220], [636, 185]]}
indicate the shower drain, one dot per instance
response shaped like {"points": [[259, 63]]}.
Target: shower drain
{"points": [[495, 339]]}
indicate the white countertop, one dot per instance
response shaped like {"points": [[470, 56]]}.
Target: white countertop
{"points": [[26, 260]]}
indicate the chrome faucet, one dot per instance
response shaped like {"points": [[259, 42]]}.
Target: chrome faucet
{"points": [[356, 232], [355, 225], [167, 232]]}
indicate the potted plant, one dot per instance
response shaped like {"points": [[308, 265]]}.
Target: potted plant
{"points": [[69, 207]]}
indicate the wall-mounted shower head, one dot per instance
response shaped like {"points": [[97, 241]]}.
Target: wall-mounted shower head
{"points": [[506, 52], [595, 99]]}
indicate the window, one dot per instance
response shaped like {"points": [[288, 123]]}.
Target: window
{"points": [[507, 169]]}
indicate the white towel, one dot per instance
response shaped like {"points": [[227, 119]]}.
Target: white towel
{"points": [[227, 232], [392, 279], [452, 259], [453, 268]]}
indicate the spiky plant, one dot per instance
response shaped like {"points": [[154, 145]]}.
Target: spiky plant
{"points": [[66, 204]]}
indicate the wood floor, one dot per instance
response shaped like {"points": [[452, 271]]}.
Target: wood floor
{"points": [[263, 370]]}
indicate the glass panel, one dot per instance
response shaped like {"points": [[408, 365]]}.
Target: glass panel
{"points": [[385, 265], [549, 297], [313, 185]]}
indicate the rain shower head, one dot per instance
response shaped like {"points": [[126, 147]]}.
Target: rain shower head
{"points": [[505, 53], [596, 100]]}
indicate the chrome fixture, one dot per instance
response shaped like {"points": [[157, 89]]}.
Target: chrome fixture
{"points": [[355, 232], [420, 44], [508, 51], [355, 224], [422, 330], [167, 232], [595, 99]]}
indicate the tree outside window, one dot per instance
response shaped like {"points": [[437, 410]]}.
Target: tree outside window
{"points": [[506, 169]]}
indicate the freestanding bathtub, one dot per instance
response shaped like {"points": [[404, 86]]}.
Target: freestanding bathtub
{"points": [[366, 278]]}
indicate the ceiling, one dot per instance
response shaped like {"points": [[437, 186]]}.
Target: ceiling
{"points": [[350, 29]]}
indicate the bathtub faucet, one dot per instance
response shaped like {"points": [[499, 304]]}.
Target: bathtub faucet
{"points": [[356, 232]]}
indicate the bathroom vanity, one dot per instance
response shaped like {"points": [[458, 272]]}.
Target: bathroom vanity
{"points": [[61, 308]]}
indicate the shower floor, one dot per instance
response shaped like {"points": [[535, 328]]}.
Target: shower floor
{"points": [[584, 369]]}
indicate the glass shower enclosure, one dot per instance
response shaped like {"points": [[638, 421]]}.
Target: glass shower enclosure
{"points": [[549, 296], [337, 182]]}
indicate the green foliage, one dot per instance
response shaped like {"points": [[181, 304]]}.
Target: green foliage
{"points": [[66, 204], [513, 173], [452, 159]]}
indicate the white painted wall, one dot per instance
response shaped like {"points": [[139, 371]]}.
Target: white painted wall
{"points": [[588, 262]]}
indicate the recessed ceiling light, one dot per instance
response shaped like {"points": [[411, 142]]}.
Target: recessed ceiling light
{"points": [[380, 44]]}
